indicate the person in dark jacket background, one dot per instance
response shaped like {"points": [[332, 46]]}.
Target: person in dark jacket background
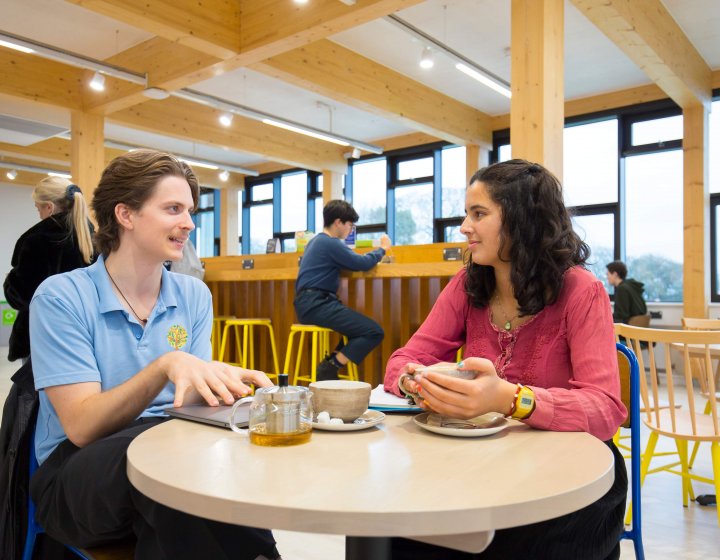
{"points": [[60, 242], [629, 299]]}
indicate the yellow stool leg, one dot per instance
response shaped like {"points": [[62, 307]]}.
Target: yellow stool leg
{"points": [[686, 483], [273, 348], [715, 453], [644, 467], [288, 357], [248, 356], [223, 343]]}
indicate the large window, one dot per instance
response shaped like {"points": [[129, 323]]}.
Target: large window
{"points": [[590, 163], [206, 242], [369, 183], [654, 223]]}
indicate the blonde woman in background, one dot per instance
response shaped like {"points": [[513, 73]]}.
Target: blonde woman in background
{"points": [[60, 242]]}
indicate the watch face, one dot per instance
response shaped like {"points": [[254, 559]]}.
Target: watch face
{"points": [[526, 402]]}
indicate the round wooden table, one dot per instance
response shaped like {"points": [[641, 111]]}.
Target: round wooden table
{"points": [[394, 479]]}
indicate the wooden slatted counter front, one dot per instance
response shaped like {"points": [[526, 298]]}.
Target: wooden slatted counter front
{"points": [[397, 295]]}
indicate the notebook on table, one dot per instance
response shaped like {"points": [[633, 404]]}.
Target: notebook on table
{"points": [[387, 402], [213, 415]]}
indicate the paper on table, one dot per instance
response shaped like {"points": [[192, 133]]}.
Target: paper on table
{"points": [[380, 400]]}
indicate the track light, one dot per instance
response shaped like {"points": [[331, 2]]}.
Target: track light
{"points": [[427, 59], [98, 82], [356, 153], [226, 119], [483, 79], [12, 174], [224, 175], [13, 46]]}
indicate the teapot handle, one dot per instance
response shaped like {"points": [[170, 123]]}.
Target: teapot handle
{"points": [[233, 427]]}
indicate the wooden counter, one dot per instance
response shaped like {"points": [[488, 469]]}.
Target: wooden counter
{"points": [[397, 295]]}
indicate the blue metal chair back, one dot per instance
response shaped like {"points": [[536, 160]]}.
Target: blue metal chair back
{"points": [[635, 531], [33, 527]]}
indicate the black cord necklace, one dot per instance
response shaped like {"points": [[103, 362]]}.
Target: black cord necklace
{"points": [[143, 321]]}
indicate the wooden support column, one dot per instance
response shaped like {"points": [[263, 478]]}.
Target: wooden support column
{"points": [[229, 207], [332, 186], [87, 151], [696, 211], [475, 158], [537, 106]]}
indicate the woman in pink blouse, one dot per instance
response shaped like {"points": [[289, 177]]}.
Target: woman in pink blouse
{"points": [[538, 333]]}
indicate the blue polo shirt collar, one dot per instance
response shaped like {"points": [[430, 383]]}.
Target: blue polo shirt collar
{"points": [[109, 302]]}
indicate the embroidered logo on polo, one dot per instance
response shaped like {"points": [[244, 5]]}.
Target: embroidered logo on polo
{"points": [[177, 336]]}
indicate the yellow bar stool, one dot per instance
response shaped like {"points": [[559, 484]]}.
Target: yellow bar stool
{"points": [[319, 348], [246, 348], [216, 335]]}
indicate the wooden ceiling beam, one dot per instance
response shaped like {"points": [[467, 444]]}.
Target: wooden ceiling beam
{"points": [[210, 26], [182, 119], [605, 101], [652, 39], [37, 79], [331, 70], [55, 152]]}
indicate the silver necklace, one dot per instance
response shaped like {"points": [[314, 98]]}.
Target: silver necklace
{"points": [[508, 322], [143, 321]]}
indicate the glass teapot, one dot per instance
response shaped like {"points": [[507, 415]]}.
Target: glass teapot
{"points": [[280, 415]]}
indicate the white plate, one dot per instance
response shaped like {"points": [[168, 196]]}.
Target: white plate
{"points": [[366, 420], [484, 425]]}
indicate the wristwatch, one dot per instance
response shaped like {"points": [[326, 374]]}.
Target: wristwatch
{"points": [[524, 402]]}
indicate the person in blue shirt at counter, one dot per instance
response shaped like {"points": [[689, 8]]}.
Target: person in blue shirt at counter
{"points": [[316, 301]]}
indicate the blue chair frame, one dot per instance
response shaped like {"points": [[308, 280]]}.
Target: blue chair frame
{"points": [[635, 531], [33, 527]]}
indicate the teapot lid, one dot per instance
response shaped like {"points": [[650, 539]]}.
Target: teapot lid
{"points": [[282, 392]]}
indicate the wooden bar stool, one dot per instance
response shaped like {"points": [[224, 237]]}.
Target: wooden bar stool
{"points": [[319, 348], [246, 348]]}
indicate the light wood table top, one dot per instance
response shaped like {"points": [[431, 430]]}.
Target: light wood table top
{"points": [[394, 479]]}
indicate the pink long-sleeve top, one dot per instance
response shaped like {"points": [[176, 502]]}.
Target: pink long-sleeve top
{"points": [[566, 353]]}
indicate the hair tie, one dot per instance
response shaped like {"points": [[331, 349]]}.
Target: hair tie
{"points": [[71, 190]]}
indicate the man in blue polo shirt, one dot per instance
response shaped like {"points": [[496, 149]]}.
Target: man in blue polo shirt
{"points": [[115, 344], [316, 302]]}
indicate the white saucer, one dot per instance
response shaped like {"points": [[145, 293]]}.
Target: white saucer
{"points": [[366, 420], [485, 425]]}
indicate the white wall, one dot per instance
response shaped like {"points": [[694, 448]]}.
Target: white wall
{"points": [[17, 214]]}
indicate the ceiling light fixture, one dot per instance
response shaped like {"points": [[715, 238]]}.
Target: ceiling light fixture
{"points": [[427, 60], [483, 79], [12, 174], [499, 85], [79, 61], [190, 161], [224, 175], [226, 119], [98, 82], [59, 174], [227, 106], [13, 46], [15, 167], [355, 153]]}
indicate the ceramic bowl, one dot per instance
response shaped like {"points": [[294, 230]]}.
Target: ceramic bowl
{"points": [[342, 399]]}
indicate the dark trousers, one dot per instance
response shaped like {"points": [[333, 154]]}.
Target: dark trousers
{"points": [[84, 498], [318, 307], [591, 533]]}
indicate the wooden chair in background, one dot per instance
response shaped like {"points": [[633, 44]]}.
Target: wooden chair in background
{"points": [[699, 371], [681, 420]]}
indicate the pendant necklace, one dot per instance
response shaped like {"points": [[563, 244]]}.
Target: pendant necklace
{"points": [[508, 322], [143, 321]]}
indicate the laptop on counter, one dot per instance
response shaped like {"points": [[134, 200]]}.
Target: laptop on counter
{"points": [[213, 415]]}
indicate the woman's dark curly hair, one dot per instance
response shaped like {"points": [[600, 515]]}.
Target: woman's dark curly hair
{"points": [[538, 229]]}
